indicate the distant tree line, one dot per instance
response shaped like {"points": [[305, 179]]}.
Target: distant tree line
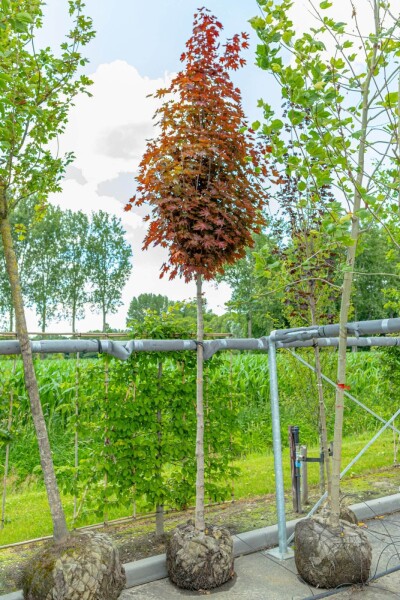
{"points": [[181, 316], [68, 262], [266, 294]]}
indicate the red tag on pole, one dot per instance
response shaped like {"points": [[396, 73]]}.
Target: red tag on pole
{"points": [[343, 386]]}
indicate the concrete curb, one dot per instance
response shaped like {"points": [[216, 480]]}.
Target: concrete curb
{"points": [[375, 508], [154, 568]]}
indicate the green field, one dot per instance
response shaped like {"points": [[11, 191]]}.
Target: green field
{"points": [[28, 516]]}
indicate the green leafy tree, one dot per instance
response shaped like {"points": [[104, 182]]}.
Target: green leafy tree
{"points": [[146, 302], [37, 89], [45, 265], [109, 263], [375, 276], [75, 272], [338, 101], [142, 430], [304, 264], [254, 309]]}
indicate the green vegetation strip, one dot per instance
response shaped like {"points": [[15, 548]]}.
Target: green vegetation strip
{"points": [[29, 517]]}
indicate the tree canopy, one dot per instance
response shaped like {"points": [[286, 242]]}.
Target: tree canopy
{"points": [[202, 174]]}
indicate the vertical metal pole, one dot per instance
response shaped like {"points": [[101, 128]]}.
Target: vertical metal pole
{"points": [[297, 465], [76, 437], [304, 475], [277, 445], [292, 454]]}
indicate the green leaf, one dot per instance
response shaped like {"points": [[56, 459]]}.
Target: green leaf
{"points": [[301, 186], [276, 125], [296, 116], [257, 23], [275, 265], [325, 4], [24, 17], [287, 36], [357, 134]]}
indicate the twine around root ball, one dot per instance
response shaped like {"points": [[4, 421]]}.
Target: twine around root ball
{"points": [[199, 560], [327, 558]]}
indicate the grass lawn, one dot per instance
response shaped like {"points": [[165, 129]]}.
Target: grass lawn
{"points": [[28, 516], [257, 471]]}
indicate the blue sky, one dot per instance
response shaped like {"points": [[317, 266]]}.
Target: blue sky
{"points": [[151, 35], [136, 50]]}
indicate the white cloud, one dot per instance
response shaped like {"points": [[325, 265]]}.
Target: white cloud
{"points": [[118, 112]]}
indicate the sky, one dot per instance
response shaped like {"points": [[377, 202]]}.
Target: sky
{"points": [[136, 51]]}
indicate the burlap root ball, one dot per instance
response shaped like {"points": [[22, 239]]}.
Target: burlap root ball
{"points": [[84, 567], [327, 558], [200, 560], [346, 514]]}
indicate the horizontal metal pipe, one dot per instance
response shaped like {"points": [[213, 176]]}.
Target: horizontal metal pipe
{"points": [[123, 350], [364, 342], [379, 326]]}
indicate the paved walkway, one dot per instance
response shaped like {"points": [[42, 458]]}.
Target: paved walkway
{"points": [[261, 577]]}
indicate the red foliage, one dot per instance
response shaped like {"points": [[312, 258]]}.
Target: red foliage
{"points": [[205, 193]]}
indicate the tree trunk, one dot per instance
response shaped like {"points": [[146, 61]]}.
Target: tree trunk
{"points": [[249, 325], [106, 439], [104, 320], [199, 512], [160, 519], [159, 507], [322, 412], [60, 530], [398, 135], [11, 316], [44, 319], [346, 292], [76, 437], [42, 354], [74, 317]]}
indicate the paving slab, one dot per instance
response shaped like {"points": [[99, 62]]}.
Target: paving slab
{"points": [[261, 577]]}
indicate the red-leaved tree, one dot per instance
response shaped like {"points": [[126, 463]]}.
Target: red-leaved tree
{"points": [[202, 178]]}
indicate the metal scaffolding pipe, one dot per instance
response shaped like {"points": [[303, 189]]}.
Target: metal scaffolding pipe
{"points": [[123, 350], [380, 326], [282, 552]]}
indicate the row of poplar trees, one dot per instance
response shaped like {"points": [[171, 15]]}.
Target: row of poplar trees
{"points": [[67, 261]]}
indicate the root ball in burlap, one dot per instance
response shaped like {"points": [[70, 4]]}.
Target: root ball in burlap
{"points": [[327, 557], [84, 567], [346, 514], [200, 560]]}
